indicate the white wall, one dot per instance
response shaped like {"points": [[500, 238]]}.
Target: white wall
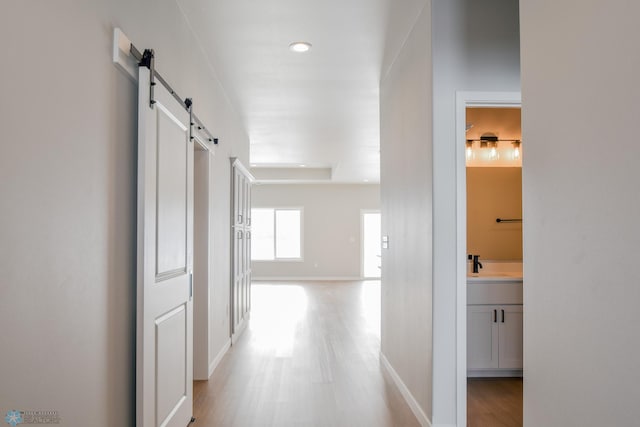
{"points": [[581, 104], [331, 222], [406, 198], [68, 198], [220, 208], [475, 48], [201, 264]]}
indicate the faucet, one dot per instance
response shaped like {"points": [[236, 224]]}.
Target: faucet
{"points": [[476, 263]]}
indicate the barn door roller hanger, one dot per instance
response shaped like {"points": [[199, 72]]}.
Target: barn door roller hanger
{"points": [[128, 58]]}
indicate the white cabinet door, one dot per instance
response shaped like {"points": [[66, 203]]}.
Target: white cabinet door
{"points": [[482, 337], [164, 378], [237, 247], [241, 241], [510, 317], [247, 246]]}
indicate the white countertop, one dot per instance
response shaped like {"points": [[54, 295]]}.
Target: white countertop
{"points": [[483, 277]]}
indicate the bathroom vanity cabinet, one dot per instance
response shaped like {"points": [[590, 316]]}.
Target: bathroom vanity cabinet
{"points": [[494, 328]]}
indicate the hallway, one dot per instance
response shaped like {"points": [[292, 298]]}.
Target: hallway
{"points": [[310, 357]]}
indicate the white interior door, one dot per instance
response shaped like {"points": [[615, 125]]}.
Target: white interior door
{"points": [[247, 247], [241, 238], [165, 241], [237, 252]]}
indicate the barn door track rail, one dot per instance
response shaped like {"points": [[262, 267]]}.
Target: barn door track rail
{"points": [[128, 58]]}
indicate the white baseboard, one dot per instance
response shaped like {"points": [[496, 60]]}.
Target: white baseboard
{"points": [[216, 360], [408, 397], [238, 333], [307, 278]]}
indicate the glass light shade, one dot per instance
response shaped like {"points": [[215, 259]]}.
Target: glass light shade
{"points": [[469, 154], [493, 151], [516, 150]]}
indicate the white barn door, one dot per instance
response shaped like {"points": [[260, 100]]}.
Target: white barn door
{"points": [[165, 259]]}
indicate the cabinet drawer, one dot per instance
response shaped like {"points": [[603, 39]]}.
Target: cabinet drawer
{"points": [[494, 293]]}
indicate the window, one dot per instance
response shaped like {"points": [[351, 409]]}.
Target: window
{"points": [[276, 234]]}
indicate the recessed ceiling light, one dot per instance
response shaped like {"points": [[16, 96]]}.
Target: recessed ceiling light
{"points": [[299, 47], [366, 180], [303, 166]]}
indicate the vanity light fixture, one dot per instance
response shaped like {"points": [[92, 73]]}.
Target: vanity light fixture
{"points": [[300, 47], [490, 149]]}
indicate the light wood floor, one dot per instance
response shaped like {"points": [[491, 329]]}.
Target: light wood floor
{"points": [[310, 357], [494, 402]]}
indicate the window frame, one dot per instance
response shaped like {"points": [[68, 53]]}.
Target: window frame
{"points": [[283, 208]]}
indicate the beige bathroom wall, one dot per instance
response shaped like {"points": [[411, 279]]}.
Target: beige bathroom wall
{"points": [[494, 193]]}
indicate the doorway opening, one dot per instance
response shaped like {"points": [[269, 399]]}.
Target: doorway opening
{"points": [[371, 244], [493, 155], [201, 259], [489, 259]]}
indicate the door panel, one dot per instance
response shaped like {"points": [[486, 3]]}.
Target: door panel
{"points": [[247, 247], [171, 193], [164, 395], [171, 362], [240, 276]]}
